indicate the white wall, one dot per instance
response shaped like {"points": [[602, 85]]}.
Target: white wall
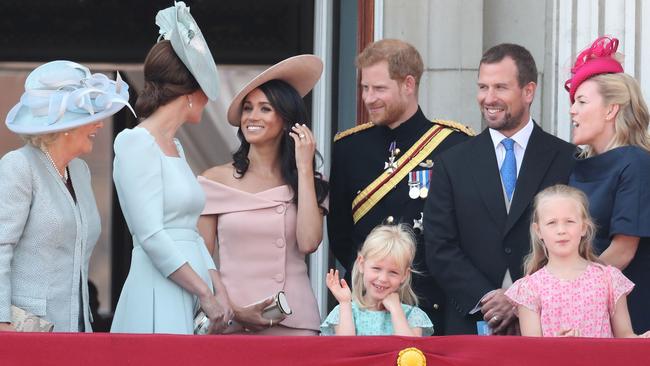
{"points": [[451, 35]]}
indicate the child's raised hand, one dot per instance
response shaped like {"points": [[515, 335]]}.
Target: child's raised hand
{"points": [[339, 288], [392, 302]]}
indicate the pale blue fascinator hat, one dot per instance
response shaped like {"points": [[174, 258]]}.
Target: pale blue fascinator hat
{"points": [[61, 95], [178, 26]]}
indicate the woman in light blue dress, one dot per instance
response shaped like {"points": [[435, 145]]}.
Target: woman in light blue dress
{"points": [[171, 273]]}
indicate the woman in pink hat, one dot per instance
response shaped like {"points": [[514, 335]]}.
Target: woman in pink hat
{"points": [[610, 119], [264, 211]]}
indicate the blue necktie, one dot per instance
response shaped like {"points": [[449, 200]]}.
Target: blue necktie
{"points": [[509, 167]]}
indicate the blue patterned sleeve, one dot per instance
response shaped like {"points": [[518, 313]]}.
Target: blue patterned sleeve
{"points": [[15, 202], [418, 319], [332, 320]]}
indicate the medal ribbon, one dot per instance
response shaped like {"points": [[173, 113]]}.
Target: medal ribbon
{"points": [[373, 193]]}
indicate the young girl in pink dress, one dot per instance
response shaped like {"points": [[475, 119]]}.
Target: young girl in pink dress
{"points": [[566, 291]]}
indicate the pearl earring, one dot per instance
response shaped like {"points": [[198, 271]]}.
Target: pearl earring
{"points": [[189, 101]]}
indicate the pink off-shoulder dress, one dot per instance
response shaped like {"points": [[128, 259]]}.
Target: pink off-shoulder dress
{"points": [[258, 251], [585, 303]]}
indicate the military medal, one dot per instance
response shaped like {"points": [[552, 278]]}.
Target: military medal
{"points": [[424, 176], [417, 223], [391, 165], [414, 185], [427, 164]]}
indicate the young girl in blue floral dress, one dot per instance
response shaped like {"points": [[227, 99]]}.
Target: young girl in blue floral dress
{"points": [[382, 301]]}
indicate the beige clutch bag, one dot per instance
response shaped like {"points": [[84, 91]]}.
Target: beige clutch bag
{"points": [[25, 321], [280, 307]]}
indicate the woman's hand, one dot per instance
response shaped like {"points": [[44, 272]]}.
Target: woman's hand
{"points": [[250, 317], [305, 147], [218, 313], [339, 288], [392, 303], [7, 327]]}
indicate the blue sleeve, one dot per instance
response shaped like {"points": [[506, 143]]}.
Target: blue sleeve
{"points": [[332, 320], [137, 172], [418, 319], [631, 211], [15, 203]]}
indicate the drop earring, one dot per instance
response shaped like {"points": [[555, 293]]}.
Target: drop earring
{"points": [[189, 101]]}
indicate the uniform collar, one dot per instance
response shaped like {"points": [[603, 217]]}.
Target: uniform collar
{"points": [[410, 128]]}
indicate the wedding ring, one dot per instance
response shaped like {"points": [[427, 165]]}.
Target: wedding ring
{"points": [[302, 135], [229, 322], [495, 318]]}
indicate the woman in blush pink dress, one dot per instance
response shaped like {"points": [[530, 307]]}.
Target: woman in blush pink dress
{"points": [[566, 291], [264, 211]]}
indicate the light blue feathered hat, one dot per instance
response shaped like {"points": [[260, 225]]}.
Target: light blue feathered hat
{"points": [[61, 95], [178, 26]]}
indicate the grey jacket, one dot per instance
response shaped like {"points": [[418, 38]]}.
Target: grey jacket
{"points": [[45, 239]]}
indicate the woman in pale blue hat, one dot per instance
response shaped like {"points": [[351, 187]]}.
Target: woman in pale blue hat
{"points": [[172, 273], [49, 221]]}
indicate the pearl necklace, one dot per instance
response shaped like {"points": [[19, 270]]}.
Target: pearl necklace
{"points": [[63, 176]]}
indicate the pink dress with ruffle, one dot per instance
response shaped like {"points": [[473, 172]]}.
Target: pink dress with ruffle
{"points": [[585, 303]]}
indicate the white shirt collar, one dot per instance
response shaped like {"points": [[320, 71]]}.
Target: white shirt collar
{"points": [[521, 137]]}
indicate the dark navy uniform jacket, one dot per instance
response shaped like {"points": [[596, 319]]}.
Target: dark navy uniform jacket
{"points": [[358, 159]]}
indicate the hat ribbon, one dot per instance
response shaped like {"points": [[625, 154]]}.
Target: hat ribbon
{"points": [[83, 95]]}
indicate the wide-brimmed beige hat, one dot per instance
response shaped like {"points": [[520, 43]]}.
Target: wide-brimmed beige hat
{"points": [[301, 72]]}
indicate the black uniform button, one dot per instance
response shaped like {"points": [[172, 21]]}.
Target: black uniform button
{"points": [[508, 250], [436, 306]]}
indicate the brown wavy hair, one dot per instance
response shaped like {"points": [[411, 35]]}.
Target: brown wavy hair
{"points": [[165, 79]]}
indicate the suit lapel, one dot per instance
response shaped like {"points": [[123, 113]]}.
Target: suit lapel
{"points": [[537, 158], [486, 177]]}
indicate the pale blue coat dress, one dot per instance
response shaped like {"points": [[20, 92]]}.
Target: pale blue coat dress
{"points": [[161, 201]]}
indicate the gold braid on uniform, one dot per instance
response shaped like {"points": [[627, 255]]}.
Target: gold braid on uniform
{"points": [[353, 130], [456, 126]]}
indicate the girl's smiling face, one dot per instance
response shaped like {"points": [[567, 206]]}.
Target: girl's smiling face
{"points": [[381, 277]]}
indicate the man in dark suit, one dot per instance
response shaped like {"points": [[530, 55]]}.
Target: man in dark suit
{"points": [[366, 187], [477, 216]]}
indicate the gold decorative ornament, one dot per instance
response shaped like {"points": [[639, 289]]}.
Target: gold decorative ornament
{"points": [[411, 357]]}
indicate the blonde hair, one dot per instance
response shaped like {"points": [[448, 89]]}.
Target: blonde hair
{"points": [[631, 124], [402, 58], [396, 242], [41, 141], [538, 256]]}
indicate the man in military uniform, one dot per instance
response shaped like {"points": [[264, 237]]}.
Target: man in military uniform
{"points": [[381, 169]]}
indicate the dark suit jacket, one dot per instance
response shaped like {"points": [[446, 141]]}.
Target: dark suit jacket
{"points": [[470, 239]]}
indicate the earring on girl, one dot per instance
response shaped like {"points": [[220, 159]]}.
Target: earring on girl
{"points": [[189, 101]]}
